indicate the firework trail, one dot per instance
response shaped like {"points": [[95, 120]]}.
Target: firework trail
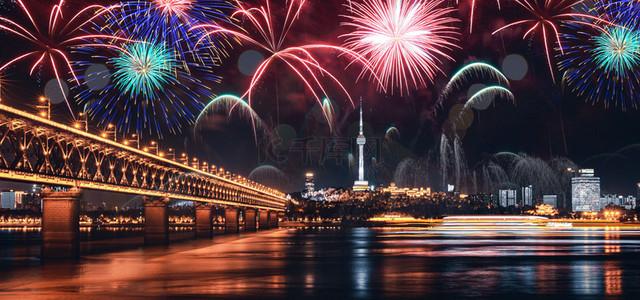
{"points": [[405, 41], [473, 9], [227, 104], [546, 18], [271, 38], [471, 71], [54, 41]]}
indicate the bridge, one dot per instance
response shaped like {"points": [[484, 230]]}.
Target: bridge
{"points": [[38, 150]]}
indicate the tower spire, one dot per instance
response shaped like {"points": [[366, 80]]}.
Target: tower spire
{"points": [[361, 184], [361, 132]]}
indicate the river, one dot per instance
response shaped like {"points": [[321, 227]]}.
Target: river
{"points": [[364, 263]]}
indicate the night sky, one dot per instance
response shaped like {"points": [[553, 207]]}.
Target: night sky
{"points": [[546, 120]]}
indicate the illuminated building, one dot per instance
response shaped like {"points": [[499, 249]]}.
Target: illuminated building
{"points": [[527, 195], [11, 199], [361, 184], [507, 197], [550, 200], [628, 202], [411, 193], [309, 184], [585, 192]]}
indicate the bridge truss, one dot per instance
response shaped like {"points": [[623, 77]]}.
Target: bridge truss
{"points": [[35, 149]]}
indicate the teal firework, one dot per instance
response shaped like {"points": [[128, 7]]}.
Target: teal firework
{"points": [[600, 65], [142, 69], [617, 50], [148, 91]]}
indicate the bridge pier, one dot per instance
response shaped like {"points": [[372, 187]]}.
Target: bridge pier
{"points": [[156, 220], [60, 223], [250, 219], [204, 221], [264, 219], [273, 219], [231, 220]]}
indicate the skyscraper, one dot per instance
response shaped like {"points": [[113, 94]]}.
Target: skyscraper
{"points": [[527, 195], [585, 192], [361, 184], [309, 184]]}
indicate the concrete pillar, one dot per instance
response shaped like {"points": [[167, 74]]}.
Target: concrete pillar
{"points": [[264, 219], [250, 219], [273, 219], [204, 222], [231, 220], [60, 223], [156, 220]]}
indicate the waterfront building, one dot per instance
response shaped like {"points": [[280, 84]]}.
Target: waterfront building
{"points": [[407, 192], [527, 195], [309, 183], [507, 197], [585, 192], [11, 199], [550, 200], [628, 202]]}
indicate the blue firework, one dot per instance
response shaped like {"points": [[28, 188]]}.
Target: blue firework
{"points": [[622, 11], [149, 91], [600, 65], [172, 21]]}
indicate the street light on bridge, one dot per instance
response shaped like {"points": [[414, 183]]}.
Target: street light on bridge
{"points": [[82, 122], [111, 129], [196, 163], [185, 158], [134, 139], [154, 146], [171, 152], [45, 107]]}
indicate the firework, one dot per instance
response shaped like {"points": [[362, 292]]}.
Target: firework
{"points": [[142, 68], [226, 105], [149, 91], [473, 9], [601, 64], [404, 41], [623, 11], [172, 21], [546, 18], [479, 101], [299, 59], [54, 41], [473, 70]]}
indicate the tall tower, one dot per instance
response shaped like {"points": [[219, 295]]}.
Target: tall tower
{"points": [[361, 184]]}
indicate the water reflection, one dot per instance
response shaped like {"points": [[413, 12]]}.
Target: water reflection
{"points": [[361, 269], [334, 263]]}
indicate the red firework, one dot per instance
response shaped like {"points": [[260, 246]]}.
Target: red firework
{"points": [[546, 18], [404, 40], [300, 59], [55, 40]]}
